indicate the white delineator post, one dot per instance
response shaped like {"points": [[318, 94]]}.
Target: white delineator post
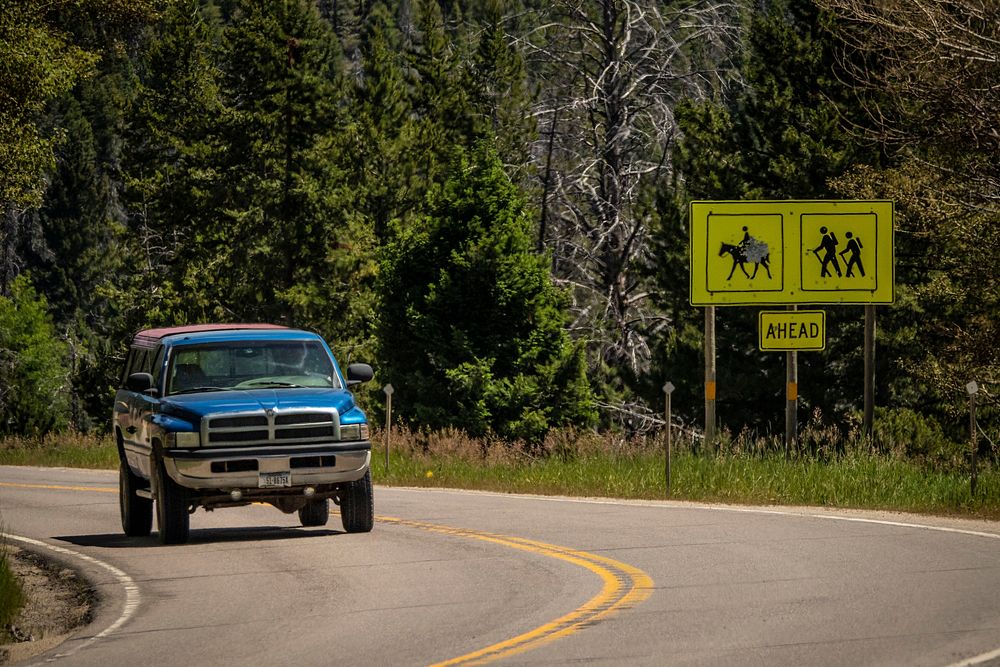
{"points": [[973, 388], [388, 422], [668, 389]]}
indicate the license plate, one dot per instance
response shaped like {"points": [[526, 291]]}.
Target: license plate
{"points": [[272, 480]]}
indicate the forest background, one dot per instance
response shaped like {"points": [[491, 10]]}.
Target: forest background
{"points": [[488, 200]]}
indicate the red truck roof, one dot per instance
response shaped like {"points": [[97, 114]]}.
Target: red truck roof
{"points": [[157, 334]]}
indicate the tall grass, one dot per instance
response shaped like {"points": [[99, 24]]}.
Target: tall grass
{"points": [[744, 470], [70, 450]]}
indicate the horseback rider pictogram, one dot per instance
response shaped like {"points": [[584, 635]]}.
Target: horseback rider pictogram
{"points": [[749, 249]]}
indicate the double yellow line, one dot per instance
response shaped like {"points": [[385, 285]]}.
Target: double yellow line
{"points": [[624, 586]]}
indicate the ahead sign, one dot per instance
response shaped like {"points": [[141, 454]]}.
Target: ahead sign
{"points": [[777, 252], [787, 330]]}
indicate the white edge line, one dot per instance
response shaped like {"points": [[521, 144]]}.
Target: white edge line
{"points": [[666, 504], [977, 660], [902, 524], [131, 592]]}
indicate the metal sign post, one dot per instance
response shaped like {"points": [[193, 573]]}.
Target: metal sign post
{"points": [[668, 389], [869, 414], [388, 422], [709, 377], [791, 398]]}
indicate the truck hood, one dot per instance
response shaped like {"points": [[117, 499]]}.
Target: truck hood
{"points": [[193, 407]]}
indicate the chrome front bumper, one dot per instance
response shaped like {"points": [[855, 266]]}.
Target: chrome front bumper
{"points": [[309, 465]]}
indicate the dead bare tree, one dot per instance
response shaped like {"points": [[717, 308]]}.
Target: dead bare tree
{"points": [[611, 73]]}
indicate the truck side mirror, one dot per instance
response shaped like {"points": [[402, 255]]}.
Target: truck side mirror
{"points": [[358, 373], [139, 382]]}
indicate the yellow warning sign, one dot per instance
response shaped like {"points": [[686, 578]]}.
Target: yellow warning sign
{"points": [[839, 252], [788, 330], [780, 252], [751, 250]]}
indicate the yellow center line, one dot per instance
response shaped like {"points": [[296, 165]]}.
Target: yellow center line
{"points": [[57, 487], [623, 586]]}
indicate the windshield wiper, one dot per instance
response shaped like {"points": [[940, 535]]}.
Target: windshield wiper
{"points": [[271, 383], [191, 390]]}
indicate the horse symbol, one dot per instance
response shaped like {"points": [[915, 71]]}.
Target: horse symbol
{"points": [[748, 250]]}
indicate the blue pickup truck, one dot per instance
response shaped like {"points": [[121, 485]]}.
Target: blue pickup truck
{"points": [[224, 415]]}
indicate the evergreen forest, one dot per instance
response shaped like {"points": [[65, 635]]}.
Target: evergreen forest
{"points": [[487, 200]]}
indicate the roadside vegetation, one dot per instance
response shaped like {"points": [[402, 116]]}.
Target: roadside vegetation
{"points": [[826, 471], [442, 190], [69, 449], [11, 596], [744, 469]]}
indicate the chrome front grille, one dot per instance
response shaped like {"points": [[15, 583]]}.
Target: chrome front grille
{"points": [[271, 427]]}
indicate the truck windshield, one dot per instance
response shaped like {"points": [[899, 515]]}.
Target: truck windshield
{"points": [[244, 365]]}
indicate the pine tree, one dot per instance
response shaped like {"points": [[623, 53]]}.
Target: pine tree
{"points": [[281, 86], [383, 134], [498, 87], [170, 168], [470, 324], [440, 99]]}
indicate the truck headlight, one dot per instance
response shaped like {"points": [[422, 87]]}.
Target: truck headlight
{"points": [[184, 439], [354, 431]]}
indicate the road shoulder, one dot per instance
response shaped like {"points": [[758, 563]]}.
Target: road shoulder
{"points": [[58, 600]]}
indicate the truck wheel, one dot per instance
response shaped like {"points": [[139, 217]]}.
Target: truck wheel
{"points": [[136, 512], [357, 506], [315, 512], [172, 518]]}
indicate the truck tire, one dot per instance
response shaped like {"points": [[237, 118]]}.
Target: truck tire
{"points": [[315, 512], [172, 518], [357, 506], [136, 512]]}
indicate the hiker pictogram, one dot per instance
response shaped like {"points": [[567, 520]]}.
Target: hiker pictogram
{"points": [[829, 247], [854, 247], [747, 250]]}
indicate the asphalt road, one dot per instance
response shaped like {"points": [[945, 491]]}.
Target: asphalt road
{"points": [[518, 580]]}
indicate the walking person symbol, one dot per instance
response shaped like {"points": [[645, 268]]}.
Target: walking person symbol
{"points": [[854, 247], [829, 246]]}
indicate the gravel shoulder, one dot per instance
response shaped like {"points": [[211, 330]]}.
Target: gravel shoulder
{"points": [[57, 601]]}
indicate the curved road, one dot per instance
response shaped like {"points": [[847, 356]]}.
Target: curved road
{"points": [[474, 577]]}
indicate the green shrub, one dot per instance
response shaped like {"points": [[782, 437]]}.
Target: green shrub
{"points": [[34, 378], [909, 435]]}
